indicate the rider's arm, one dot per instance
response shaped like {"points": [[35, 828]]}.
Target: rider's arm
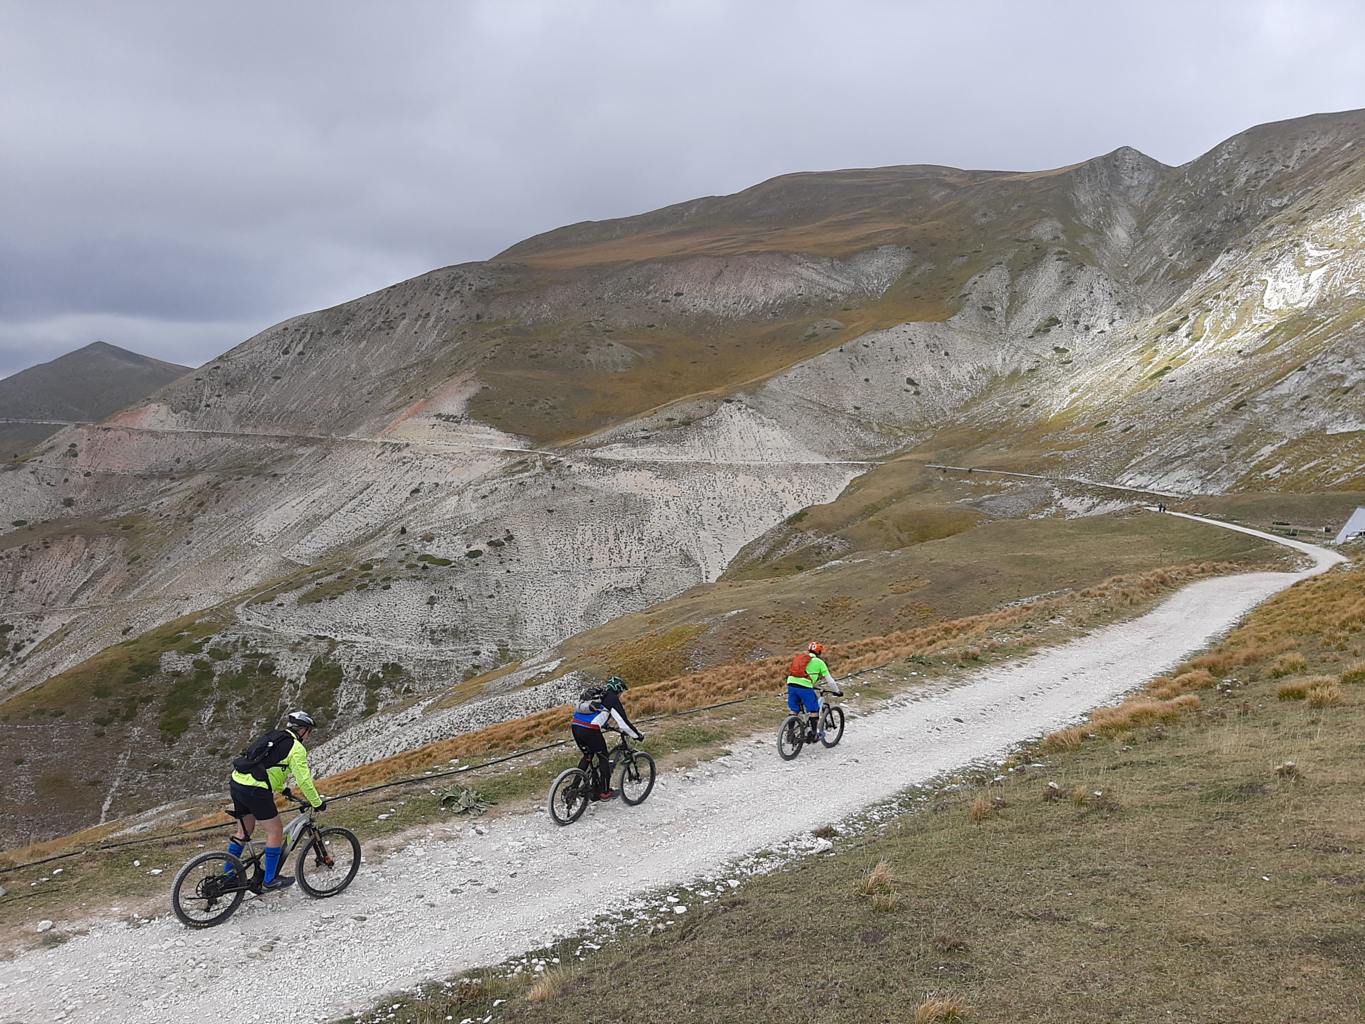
{"points": [[618, 713], [818, 670], [297, 764]]}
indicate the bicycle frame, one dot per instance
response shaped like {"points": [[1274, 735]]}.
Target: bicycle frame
{"points": [[295, 831]]}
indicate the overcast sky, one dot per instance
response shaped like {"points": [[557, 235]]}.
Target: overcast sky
{"points": [[178, 176]]}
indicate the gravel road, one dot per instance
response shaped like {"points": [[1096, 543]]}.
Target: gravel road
{"points": [[466, 896]]}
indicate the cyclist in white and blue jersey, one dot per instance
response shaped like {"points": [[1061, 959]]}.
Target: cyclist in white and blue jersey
{"points": [[605, 709]]}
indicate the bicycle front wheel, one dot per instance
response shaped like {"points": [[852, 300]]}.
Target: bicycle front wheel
{"points": [[791, 737], [208, 889], [569, 796], [635, 778], [832, 726], [329, 862]]}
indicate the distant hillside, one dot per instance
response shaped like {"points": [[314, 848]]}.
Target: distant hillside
{"points": [[79, 387]]}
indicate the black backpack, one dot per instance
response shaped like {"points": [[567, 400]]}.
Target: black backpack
{"points": [[267, 752], [589, 701]]}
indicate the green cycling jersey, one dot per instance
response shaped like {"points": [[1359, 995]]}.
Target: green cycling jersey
{"points": [[295, 763], [815, 671]]}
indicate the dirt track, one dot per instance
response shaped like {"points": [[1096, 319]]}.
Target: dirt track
{"points": [[464, 897]]}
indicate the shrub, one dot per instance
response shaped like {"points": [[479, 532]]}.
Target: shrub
{"points": [[1288, 664]]}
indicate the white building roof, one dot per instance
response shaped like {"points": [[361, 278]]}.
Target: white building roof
{"points": [[1354, 526]]}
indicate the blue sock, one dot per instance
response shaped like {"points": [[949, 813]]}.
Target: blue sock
{"points": [[235, 848], [272, 863]]}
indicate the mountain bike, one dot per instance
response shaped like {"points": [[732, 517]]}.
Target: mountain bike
{"points": [[210, 887], [791, 737], [632, 775]]}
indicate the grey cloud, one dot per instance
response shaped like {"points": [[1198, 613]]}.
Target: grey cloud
{"points": [[185, 170]]}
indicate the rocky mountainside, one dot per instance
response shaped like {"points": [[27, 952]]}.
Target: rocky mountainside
{"points": [[457, 474], [80, 387]]}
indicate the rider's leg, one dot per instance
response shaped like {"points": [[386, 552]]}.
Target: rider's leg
{"points": [[274, 842], [237, 843], [604, 774]]}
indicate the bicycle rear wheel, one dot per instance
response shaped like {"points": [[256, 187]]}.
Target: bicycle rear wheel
{"points": [[328, 863], [208, 889], [832, 726], [635, 777], [791, 737], [569, 796]]}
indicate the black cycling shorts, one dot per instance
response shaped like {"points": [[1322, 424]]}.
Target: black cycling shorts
{"points": [[590, 741], [257, 801]]}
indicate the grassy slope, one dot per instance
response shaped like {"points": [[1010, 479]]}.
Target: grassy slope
{"points": [[1202, 885], [928, 656]]}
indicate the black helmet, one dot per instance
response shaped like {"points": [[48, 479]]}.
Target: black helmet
{"points": [[301, 720], [616, 684]]}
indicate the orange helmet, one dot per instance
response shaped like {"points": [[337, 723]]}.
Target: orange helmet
{"points": [[816, 648]]}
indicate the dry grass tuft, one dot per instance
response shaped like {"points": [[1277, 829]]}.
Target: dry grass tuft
{"points": [[949, 944], [1080, 796], [1325, 693], [1288, 664], [1354, 674], [986, 808], [1132, 713], [884, 902], [1294, 690], [1288, 770], [940, 1011], [879, 879], [1052, 792], [1162, 688], [549, 984]]}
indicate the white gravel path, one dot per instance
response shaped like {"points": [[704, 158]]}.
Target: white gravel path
{"points": [[471, 896]]}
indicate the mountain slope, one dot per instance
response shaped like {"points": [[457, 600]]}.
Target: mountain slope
{"points": [[465, 470]]}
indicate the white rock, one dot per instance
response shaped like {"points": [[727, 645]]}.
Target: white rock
{"points": [[44, 926]]}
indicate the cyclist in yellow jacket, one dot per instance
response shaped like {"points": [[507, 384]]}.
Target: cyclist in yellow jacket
{"points": [[276, 756]]}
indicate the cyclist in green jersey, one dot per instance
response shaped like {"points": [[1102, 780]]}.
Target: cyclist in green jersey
{"points": [[253, 791], [805, 673]]}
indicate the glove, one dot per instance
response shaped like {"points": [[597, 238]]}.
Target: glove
{"points": [[321, 807], [287, 793], [641, 739]]}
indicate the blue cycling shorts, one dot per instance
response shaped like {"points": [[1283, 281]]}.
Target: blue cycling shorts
{"points": [[802, 697]]}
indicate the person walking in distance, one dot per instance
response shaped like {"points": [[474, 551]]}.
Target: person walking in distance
{"points": [[263, 770], [596, 707], [803, 676]]}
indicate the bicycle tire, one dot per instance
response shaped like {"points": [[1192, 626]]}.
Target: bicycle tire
{"points": [[208, 889], [568, 796], [332, 857], [635, 780], [791, 737], [832, 725]]}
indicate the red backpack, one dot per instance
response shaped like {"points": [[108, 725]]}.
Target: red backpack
{"points": [[798, 665]]}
